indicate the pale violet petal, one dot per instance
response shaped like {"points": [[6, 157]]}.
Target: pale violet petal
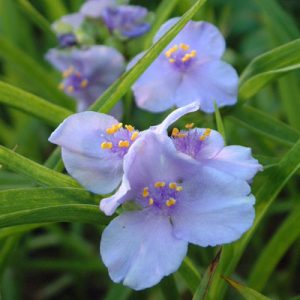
{"points": [[139, 249]]}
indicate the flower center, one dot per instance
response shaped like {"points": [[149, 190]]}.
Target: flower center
{"points": [[161, 194], [118, 139], [73, 81], [180, 55], [190, 141]]}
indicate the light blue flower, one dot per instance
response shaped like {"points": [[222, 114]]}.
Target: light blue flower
{"points": [[178, 202], [189, 69], [87, 72], [127, 21], [94, 146]]}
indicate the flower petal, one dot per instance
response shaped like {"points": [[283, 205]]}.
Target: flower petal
{"points": [[216, 209], [139, 249], [155, 89], [203, 37], [213, 81], [83, 133], [236, 161], [100, 176]]}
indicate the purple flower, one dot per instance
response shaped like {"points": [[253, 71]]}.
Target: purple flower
{"points": [[177, 202], [66, 27], [94, 146], [87, 73], [189, 69], [126, 20]]}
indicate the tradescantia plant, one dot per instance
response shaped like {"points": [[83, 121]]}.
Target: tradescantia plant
{"points": [[147, 184]]}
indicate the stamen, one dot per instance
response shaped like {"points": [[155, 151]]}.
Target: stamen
{"points": [[84, 83], [145, 192], [123, 144], [184, 47], [179, 188], [151, 201], [172, 185], [175, 131], [134, 136], [205, 135], [189, 125], [113, 129], [129, 128], [171, 60], [159, 184], [193, 53], [106, 145], [68, 72], [170, 202], [70, 89]]}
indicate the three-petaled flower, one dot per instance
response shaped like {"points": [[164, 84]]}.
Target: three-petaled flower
{"points": [[189, 69]]}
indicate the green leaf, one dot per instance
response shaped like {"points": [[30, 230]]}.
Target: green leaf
{"points": [[36, 17], [277, 178], [268, 67], [219, 121], [33, 170], [119, 292], [203, 287], [190, 274], [32, 71], [246, 292], [162, 13], [44, 205], [274, 250], [264, 124], [16, 230], [33, 105], [117, 90], [169, 288]]}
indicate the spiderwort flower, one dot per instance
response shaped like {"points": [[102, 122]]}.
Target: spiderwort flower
{"points": [[189, 69], [87, 73], [66, 27], [127, 21], [178, 202], [93, 148]]}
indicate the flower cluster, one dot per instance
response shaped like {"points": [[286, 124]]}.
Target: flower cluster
{"points": [[187, 187]]}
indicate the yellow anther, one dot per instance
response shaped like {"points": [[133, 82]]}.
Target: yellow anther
{"points": [[170, 202], [110, 130], [181, 135], [184, 47], [159, 184], [169, 53], [145, 192], [68, 72], [106, 145], [205, 134], [134, 136], [171, 60], [70, 89], [113, 129], [186, 57], [189, 125], [151, 201], [179, 188], [123, 144], [172, 185], [84, 83], [129, 128], [193, 53], [175, 131]]}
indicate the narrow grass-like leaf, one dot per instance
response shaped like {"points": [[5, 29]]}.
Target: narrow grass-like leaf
{"points": [[16, 230], [6, 251], [31, 70], [117, 90], [190, 274], [162, 13], [44, 205], [33, 105], [277, 178], [219, 121], [33, 170], [169, 288], [55, 9], [269, 66], [246, 292], [36, 17], [272, 253], [203, 287], [119, 292], [264, 124]]}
